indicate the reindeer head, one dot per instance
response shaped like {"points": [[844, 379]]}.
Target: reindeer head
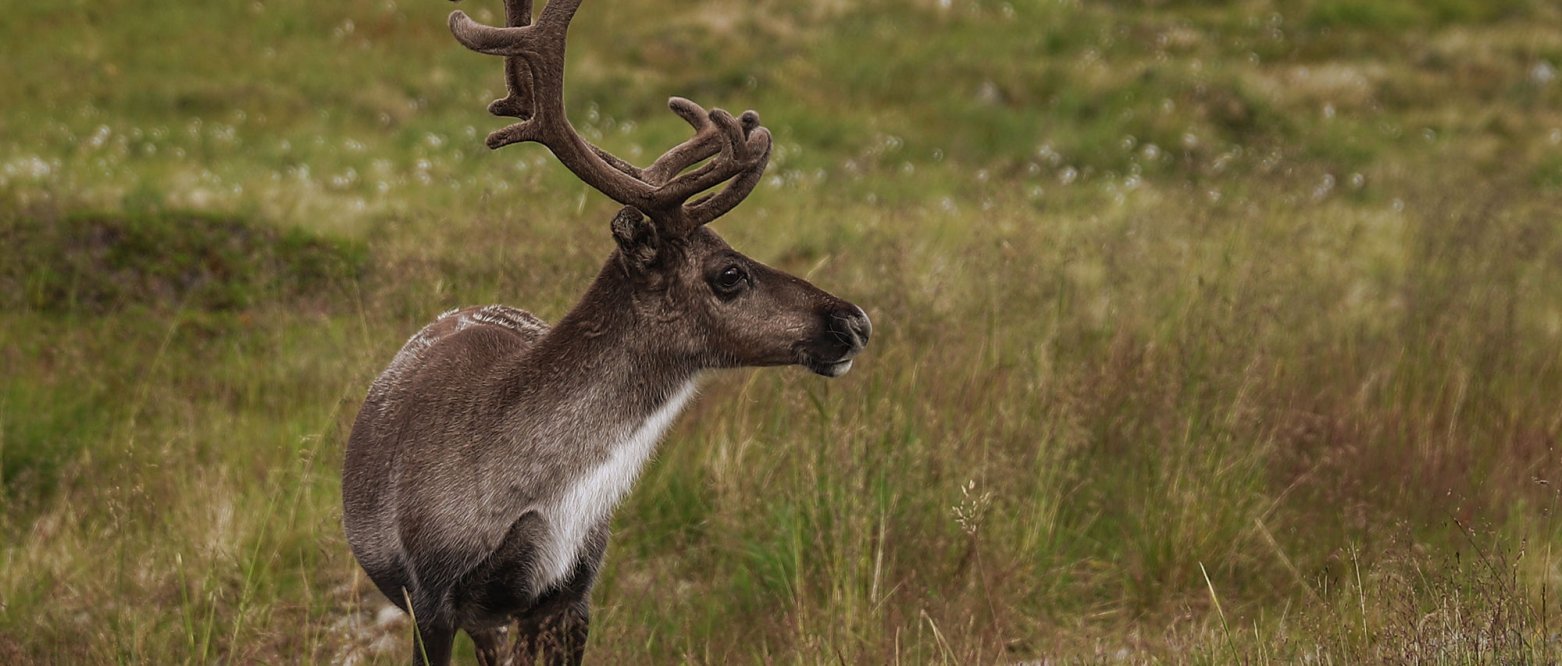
{"points": [[704, 299]]}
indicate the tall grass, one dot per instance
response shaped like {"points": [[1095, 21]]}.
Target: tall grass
{"points": [[1205, 333]]}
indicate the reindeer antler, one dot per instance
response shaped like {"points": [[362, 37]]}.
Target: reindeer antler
{"points": [[738, 149]]}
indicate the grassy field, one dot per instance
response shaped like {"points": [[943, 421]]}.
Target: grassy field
{"points": [[1209, 332]]}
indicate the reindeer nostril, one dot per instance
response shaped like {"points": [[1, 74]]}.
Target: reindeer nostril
{"points": [[851, 326], [862, 326]]}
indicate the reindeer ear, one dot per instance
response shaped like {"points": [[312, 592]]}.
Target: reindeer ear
{"points": [[638, 242]]}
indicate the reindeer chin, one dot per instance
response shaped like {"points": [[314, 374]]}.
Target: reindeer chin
{"points": [[831, 370]]}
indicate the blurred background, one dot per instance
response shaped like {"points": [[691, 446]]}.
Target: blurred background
{"points": [[1204, 331]]}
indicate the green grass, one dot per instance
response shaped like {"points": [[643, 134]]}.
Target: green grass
{"points": [[94, 263], [1205, 332]]}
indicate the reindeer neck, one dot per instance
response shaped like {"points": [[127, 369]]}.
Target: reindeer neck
{"points": [[601, 351]]}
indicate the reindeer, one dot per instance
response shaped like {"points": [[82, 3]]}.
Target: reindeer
{"points": [[483, 469]]}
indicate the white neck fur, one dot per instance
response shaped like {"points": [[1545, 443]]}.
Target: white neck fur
{"points": [[591, 498]]}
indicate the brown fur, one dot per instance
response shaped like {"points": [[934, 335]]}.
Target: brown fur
{"points": [[486, 414], [482, 471]]}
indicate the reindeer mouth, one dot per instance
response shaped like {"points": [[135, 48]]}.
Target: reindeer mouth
{"points": [[829, 369], [844, 336]]}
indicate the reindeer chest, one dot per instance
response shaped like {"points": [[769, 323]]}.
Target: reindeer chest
{"points": [[589, 499]]}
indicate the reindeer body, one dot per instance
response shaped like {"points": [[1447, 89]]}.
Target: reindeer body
{"points": [[554, 426], [484, 467]]}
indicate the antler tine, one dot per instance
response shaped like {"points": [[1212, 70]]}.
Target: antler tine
{"points": [[708, 208], [738, 149], [517, 74], [703, 145], [737, 153], [716, 133], [509, 41], [535, 53]]}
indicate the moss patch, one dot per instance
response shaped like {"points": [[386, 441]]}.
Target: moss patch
{"points": [[99, 262]]}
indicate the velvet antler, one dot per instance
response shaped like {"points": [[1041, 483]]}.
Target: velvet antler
{"points": [[732, 149]]}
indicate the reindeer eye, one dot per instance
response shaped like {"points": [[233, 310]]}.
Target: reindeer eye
{"points": [[730, 279]]}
